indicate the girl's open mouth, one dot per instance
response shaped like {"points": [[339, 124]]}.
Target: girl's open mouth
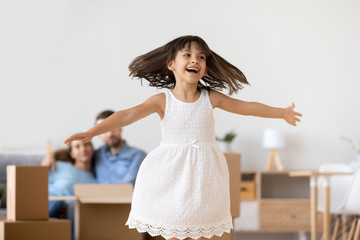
{"points": [[192, 70]]}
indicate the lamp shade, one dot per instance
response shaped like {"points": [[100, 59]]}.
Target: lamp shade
{"points": [[273, 139]]}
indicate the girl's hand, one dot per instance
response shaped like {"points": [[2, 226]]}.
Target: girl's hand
{"points": [[290, 116], [84, 137]]}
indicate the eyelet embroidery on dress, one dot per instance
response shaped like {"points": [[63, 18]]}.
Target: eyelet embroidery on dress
{"points": [[195, 233]]}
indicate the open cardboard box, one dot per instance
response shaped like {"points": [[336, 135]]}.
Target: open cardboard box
{"points": [[102, 211]]}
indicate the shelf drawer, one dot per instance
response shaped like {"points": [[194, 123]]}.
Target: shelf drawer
{"points": [[247, 190], [284, 214]]}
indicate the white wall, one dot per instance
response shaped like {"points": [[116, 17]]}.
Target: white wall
{"points": [[62, 62]]}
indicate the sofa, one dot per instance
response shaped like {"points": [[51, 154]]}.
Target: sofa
{"points": [[15, 159]]}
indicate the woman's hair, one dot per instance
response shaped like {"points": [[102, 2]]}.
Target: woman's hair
{"points": [[152, 66]]}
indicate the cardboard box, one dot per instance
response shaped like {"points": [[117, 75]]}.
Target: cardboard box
{"points": [[233, 161], [27, 192], [54, 229], [102, 211]]}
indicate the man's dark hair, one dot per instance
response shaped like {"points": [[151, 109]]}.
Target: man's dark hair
{"points": [[104, 114]]}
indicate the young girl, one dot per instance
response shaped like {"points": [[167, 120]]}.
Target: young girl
{"points": [[182, 188]]}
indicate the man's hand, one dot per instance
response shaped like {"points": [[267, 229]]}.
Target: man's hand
{"points": [[49, 161]]}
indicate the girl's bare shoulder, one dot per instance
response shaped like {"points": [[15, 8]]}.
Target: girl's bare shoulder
{"points": [[158, 102], [216, 97], [158, 98]]}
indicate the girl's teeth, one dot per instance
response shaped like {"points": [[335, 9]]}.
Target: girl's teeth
{"points": [[192, 70]]}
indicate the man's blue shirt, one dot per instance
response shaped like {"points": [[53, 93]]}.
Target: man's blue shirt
{"points": [[120, 168]]}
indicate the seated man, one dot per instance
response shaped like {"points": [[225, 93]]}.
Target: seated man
{"points": [[115, 161]]}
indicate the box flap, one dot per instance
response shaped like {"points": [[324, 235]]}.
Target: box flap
{"points": [[100, 199], [104, 193]]}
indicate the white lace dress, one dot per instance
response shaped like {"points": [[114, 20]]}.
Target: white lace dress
{"points": [[182, 187]]}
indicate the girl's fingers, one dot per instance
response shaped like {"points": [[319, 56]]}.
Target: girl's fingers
{"points": [[292, 106], [292, 116], [67, 141], [81, 137], [298, 114]]}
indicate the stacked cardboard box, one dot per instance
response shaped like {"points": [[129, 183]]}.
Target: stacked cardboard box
{"points": [[27, 207], [102, 210]]}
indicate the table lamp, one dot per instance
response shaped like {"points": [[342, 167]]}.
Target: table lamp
{"points": [[273, 140]]}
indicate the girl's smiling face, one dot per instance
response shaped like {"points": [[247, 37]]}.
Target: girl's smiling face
{"points": [[189, 65]]}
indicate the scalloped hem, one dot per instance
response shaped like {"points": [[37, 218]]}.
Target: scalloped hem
{"points": [[167, 232]]}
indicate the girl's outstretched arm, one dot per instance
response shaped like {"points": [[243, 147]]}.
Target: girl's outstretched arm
{"points": [[123, 118], [254, 108]]}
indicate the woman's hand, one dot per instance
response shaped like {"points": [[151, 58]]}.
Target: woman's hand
{"points": [[290, 116], [84, 137]]}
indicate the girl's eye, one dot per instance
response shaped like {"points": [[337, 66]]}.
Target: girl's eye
{"points": [[186, 55], [202, 57]]}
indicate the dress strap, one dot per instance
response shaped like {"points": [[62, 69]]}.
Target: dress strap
{"points": [[206, 97]]}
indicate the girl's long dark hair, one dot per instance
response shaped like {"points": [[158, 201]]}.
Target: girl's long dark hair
{"points": [[152, 66]]}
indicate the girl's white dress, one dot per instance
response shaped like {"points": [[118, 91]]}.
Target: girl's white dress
{"points": [[182, 187]]}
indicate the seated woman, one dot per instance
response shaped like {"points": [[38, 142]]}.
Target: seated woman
{"points": [[62, 180]]}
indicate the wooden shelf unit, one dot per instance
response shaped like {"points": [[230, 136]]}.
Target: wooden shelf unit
{"points": [[276, 203]]}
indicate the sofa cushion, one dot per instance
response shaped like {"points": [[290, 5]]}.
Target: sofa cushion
{"points": [[17, 159]]}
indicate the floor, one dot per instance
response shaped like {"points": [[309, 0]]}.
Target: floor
{"points": [[271, 236]]}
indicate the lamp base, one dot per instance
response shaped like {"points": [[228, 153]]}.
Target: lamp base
{"points": [[274, 156]]}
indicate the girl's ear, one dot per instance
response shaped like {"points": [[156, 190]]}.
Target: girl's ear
{"points": [[170, 65]]}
